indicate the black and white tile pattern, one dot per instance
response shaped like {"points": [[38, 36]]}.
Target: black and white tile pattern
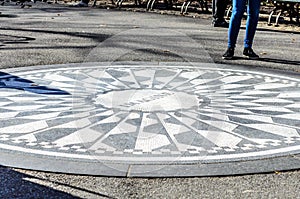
{"points": [[149, 113]]}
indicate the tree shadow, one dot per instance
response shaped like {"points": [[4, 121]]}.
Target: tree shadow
{"points": [[15, 82], [10, 39], [15, 185], [94, 36], [8, 15]]}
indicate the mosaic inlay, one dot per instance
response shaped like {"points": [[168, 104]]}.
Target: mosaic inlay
{"points": [[149, 113]]}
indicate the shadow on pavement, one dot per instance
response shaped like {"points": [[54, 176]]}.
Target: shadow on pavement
{"points": [[17, 185], [10, 39], [280, 61], [271, 60], [15, 82], [96, 37], [8, 15]]}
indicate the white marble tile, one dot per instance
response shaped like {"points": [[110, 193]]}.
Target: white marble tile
{"points": [[150, 141], [41, 116], [268, 86], [8, 114], [220, 139], [24, 107], [259, 92], [81, 136], [232, 79], [275, 129], [292, 116], [289, 94], [4, 103], [80, 123], [272, 100], [63, 85], [24, 128], [260, 118], [56, 77], [271, 109]]}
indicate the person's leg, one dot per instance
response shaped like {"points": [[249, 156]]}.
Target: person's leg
{"points": [[251, 24], [219, 12], [238, 9], [220, 7], [252, 20]]}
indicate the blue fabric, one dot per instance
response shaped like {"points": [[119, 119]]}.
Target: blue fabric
{"points": [[238, 9]]}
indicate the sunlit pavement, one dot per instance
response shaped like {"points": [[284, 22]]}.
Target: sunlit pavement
{"points": [[114, 93]]}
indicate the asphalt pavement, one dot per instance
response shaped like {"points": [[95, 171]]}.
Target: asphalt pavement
{"points": [[48, 34]]}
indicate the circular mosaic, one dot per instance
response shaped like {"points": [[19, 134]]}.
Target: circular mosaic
{"points": [[149, 114]]}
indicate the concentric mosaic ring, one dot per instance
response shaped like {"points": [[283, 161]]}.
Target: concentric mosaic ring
{"points": [[148, 114]]}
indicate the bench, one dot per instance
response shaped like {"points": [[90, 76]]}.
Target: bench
{"points": [[203, 4], [183, 8], [289, 6]]}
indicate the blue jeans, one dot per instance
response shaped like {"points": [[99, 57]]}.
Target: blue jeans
{"points": [[236, 18]]}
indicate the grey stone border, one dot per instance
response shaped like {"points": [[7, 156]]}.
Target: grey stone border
{"points": [[71, 166]]}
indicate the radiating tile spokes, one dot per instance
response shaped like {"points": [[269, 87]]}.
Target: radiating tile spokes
{"points": [[153, 114]]}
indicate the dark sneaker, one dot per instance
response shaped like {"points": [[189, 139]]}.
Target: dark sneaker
{"points": [[228, 54], [248, 52], [80, 4], [222, 24]]}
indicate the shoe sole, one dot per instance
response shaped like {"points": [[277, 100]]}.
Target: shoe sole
{"points": [[227, 58], [252, 58], [220, 26]]}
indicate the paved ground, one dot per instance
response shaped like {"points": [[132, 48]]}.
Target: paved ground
{"points": [[54, 34]]}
